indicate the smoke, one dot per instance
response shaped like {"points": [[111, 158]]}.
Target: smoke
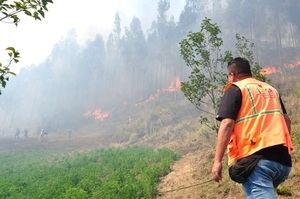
{"points": [[77, 84]]}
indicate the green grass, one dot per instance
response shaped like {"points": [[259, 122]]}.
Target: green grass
{"points": [[112, 173]]}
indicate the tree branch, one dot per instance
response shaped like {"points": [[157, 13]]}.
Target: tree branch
{"points": [[204, 111], [11, 14]]}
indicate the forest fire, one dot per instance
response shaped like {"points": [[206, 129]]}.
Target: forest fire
{"points": [[293, 65], [173, 88], [268, 70], [97, 114]]}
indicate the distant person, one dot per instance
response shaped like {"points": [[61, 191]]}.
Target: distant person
{"points": [[25, 133], [43, 135], [17, 133], [255, 128]]}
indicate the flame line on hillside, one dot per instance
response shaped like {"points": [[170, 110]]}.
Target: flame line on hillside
{"points": [[97, 114], [270, 69], [173, 88]]}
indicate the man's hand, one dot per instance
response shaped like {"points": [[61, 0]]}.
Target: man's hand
{"points": [[217, 171], [223, 138]]}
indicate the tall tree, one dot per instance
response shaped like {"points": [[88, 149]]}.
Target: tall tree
{"points": [[134, 52], [163, 6], [134, 43], [114, 37], [189, 17], [273, 27], [158, 32], [162, 45]]}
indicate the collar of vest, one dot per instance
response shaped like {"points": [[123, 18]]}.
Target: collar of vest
{"points": [[248, 79], [227, 86]]}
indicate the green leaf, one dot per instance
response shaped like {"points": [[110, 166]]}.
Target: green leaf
{"points": [[12, 73], [11, 49], [27, 13], [41, 13]]}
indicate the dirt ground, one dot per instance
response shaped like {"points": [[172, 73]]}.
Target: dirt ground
{"points": [[184, 173], [194, 168]]}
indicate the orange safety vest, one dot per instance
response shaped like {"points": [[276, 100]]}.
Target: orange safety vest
{"points": [[260, 122]]}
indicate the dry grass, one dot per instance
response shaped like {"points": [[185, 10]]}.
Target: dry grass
{"points": [[194, 167]]}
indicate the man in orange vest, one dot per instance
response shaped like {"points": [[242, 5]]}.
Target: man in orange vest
{"points": [[255, 129]]}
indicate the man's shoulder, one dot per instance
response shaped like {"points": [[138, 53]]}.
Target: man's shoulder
{"points": [[230, 103], [233, 89]]}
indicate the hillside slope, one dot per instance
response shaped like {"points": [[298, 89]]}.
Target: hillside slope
{"points": [[195, 167]]}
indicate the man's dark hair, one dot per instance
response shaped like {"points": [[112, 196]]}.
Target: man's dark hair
{"points": [[239, 66]]}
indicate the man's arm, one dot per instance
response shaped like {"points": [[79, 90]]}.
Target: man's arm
{"points": [[224, 134]]}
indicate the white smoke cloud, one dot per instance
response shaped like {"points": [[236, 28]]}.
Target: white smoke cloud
{"points": [[35, 39]]}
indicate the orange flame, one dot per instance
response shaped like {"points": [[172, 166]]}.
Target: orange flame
{"points": [[293, 65], [174, 87], [268, 70], [97, 114]]}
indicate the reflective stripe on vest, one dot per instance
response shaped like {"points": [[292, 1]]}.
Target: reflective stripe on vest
{"points": [[260, 122]]}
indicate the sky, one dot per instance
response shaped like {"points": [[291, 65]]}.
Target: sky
{"points": [[35, 39]]}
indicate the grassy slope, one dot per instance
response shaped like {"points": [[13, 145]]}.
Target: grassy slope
{"points": [[113, 174]]}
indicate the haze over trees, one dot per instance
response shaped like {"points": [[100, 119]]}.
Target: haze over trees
{"points": [[133, 63]]}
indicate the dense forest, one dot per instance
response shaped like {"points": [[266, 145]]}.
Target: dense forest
{"points": [[77, 82]]}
